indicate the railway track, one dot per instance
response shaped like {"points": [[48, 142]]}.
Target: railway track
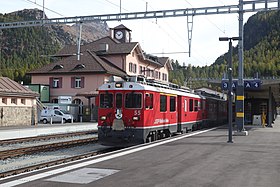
{"points": [[45, 137], [53, 163], [46, 147]]}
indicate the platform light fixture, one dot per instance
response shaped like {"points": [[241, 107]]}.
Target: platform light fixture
{"points": [[230, 39]]}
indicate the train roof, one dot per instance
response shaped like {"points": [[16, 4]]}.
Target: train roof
{"points": [[151, 85]]}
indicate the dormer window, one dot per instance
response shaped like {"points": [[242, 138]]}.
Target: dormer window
{"points": [[58, 66], [80, 66]]}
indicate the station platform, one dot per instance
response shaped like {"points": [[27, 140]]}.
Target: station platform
{"points": [[14, 132], [200, 158]]}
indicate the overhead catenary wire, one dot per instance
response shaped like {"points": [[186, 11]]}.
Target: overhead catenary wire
{"points": [[44, 7]]}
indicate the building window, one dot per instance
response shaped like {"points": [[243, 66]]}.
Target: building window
{"points": [[22, 101], [56, 82], [4, 100], [130, 67], [77, 82], [140, 70], [13, 101], [148, 72], [55, 100], [152, 73], [134, 69], [164, 77], [156, 76]]}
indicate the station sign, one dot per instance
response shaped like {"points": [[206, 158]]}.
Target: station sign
{"points": [[249, 84]]}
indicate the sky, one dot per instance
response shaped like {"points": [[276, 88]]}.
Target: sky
{"points": [[162, 37]]}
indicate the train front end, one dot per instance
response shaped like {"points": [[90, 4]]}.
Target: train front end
{"points": [[120, 115]]}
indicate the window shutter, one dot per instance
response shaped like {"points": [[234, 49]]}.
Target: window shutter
{"points": [[60, 82], [72, 82], [51, 82], [82, 82]]}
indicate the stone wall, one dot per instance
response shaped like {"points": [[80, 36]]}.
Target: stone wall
{"points": [[17, 116]]}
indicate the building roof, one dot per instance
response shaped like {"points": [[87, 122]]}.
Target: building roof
{"points": [[9, 87], [89, 63], [121, 26], [93, 57], [114, 47]]}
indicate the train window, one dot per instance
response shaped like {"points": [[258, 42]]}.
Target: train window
{"points": [[163, 103], [133, 100], [106, 100], [191, 105], [149, 101], [195, 105], [186, 105], [118, 100], [172, 104]]}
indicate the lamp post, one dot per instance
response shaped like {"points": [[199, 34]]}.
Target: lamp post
{"points": [[229, 85]]}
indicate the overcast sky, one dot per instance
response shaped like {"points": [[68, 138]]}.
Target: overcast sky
{"points": [[164, 35]]}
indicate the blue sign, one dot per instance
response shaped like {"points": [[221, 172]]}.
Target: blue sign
{"points": [[249, 84]]}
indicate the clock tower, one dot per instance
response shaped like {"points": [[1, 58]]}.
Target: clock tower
{"points": [[122, 34]]}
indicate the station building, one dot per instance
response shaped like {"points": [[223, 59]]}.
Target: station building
{"points": [[17, 104]]}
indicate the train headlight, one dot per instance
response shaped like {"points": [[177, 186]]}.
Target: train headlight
{"points": [[135, 118], [103, 118]]}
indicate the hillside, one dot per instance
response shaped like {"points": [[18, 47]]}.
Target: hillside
{"points": [[24, 49], [261, 53]]}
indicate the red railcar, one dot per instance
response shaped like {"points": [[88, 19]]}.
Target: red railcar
{"points": [[135, 112]]}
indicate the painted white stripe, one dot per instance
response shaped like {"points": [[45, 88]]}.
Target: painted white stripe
{"points": [[157, 126], [124, 152]]}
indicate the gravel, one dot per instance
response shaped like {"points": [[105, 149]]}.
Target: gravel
{"points": [[37, 143], [29, 160]]}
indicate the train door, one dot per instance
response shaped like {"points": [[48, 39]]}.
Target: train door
{"points": [[180, 113]]}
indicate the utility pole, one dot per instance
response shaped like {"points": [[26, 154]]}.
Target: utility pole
{"points": [[239, 118]]}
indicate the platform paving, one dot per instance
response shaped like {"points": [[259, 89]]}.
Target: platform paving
{"points": [[41, 129], [205, 159]]}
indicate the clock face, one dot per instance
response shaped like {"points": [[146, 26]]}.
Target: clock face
{"points": [[119, 35]]}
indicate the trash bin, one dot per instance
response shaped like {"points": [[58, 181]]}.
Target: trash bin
{"points": [[257, 120]]}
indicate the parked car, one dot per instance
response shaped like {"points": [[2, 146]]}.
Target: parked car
{"points": [[55, 115]]}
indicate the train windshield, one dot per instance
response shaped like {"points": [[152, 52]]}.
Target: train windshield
{"points": [[133, 100], [106, 100]]}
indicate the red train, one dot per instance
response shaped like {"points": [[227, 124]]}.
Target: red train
{"points": [[135, 111]]}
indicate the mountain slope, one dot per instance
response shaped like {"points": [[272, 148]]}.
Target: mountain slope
{"points": [[24, 49]]}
